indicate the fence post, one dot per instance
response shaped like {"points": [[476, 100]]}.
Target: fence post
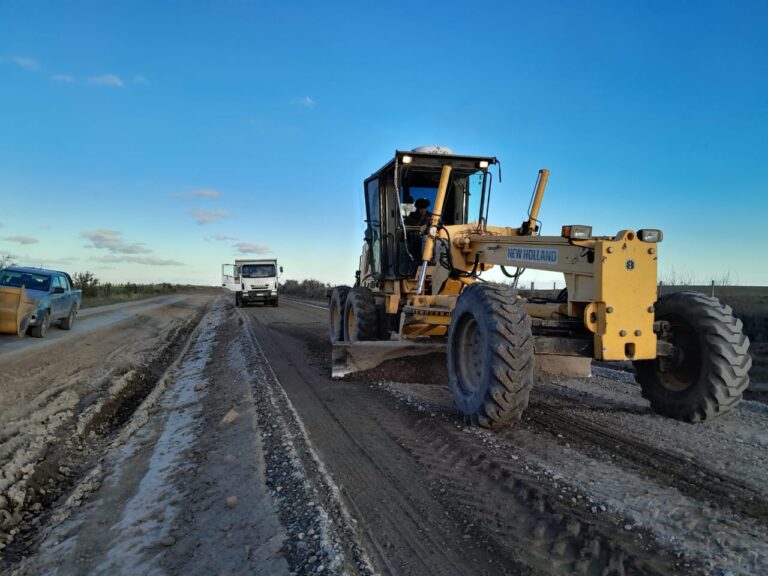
{"points": [[532, 288], [713, 288]]}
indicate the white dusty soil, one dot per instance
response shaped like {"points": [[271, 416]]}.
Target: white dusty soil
{"points": [[190, 437]]}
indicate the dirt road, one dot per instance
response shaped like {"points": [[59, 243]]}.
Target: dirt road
{"points": [[193, 437]]}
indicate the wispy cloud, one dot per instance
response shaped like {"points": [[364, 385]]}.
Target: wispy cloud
{"points": [[146, 260], [107, 80], [23, 62], [112, 240], [200, 193], [306, 101], [21, 239], [251, 248], [64, 78], [208, 216], [220, 238], [140, 79]]}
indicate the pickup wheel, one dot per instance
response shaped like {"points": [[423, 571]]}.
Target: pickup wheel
{"points": [[66, 323], [40, 330]]}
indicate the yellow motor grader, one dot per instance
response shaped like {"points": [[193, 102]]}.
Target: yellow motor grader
{"points": [[419, 288]]}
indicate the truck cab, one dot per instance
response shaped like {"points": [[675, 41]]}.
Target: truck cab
{"points": [[252, 281]]}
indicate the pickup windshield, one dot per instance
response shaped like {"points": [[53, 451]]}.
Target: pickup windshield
{"points": [[257, 270], [29, 280]]}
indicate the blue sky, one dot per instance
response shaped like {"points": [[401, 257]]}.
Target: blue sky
{"points": [[149, 141]]}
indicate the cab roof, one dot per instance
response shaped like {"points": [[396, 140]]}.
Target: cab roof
{"points": [[29, 270], [429, 159]]}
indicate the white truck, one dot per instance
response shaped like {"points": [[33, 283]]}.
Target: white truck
{"points": [[252, 281]]}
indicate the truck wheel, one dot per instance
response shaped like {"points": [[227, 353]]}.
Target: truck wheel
{"points": [[238, 300], [336, 312], [709, 370], [274, 302], [490, 355], [360, 319], [66, 323], [40, 330]]}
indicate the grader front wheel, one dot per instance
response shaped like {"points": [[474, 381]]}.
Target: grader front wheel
{"points": [[490, 355], [709, 369]]}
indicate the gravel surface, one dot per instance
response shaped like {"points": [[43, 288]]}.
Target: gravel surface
{"points": [[197, 438]]}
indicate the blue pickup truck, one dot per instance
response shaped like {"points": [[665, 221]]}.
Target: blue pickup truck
{"points": [[31, 299]]}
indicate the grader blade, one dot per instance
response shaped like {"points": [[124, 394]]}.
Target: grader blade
{"points": [[15, 309], [349, 358]]}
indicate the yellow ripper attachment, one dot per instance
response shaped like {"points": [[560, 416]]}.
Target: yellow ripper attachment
{"points": [[15, 309]]}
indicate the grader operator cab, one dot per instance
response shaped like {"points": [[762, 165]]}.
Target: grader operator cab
{"points": [[419, 289]]}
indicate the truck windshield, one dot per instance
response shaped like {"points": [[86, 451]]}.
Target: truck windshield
{"points": [[29, 280], [257, 270]]}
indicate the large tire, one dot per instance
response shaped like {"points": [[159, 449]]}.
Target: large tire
{"points": [[41, 329], [490, 355], [336, 313], [238, 300], [274, 303], [710, 369], [360, 318], [66, 323]]}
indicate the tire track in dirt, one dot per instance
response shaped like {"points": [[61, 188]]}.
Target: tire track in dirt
{"points": [[397, 517], [483, 504], [506, 505], [667, 467], [597, 511]]}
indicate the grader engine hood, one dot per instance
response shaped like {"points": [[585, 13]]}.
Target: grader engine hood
{"points": [[16, 307]]}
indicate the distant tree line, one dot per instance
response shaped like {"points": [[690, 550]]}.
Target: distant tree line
{"points": [[92, 287], [313, 289]]}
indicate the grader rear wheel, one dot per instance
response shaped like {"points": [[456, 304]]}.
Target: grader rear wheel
{"points": [[360, 319], [709, 370], [490, 355], [336, 313]]}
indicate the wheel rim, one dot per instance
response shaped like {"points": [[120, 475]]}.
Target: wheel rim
{"points": [[683, 370], [467, 355]]}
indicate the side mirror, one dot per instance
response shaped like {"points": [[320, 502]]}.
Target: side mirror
{"points": [[281, 269], [58, 290]]}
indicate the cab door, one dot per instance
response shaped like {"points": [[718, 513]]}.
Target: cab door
{"points": [[59, 296], [373, 232], [230, 277]]}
